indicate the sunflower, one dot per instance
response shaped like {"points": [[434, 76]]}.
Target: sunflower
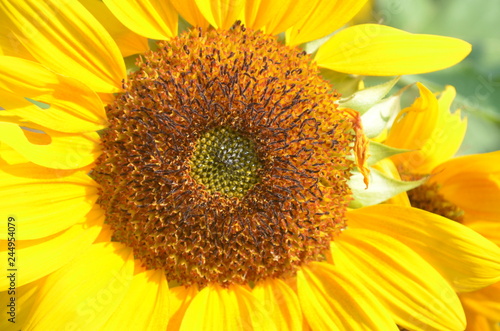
{"points": [[464, 189], [210, 193]]}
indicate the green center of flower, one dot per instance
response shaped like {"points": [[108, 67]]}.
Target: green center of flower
{"points": [[226, 162], [226, 159]]}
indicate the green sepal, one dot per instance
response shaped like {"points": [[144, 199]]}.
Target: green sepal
{"points": [[380, 189], [378, 151], [311, 47], [345, 84], [365, 99], [130, 63], [375, 120]]}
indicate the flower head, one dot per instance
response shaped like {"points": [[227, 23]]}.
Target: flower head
{"points": [[463, 189], [247, 152], [211, 191]]}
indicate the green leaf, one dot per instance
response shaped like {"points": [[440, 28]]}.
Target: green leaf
{"points": [[380, 189], [378, 151], [365, 99], [375, 120]]}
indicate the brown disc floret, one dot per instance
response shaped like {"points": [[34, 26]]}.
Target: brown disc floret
{"points": [[226, 159]]}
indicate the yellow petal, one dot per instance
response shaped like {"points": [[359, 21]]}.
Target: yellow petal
{"points": [[24, 298], [281, 302], [484, 302], [430, 129], [413, 129], [401, 279], [44, 201], [274, 16], [145, 306], [73, 107], [464, 258], [83, 294], [65, 37], [377, 50], [221, 13], [14, 164], [490, 230], [478, 322], [332, 300], [11, 46], [44, 256], [107, 98], [129, 42], [64, 150], [155, 19], [472, 183], [190, 12], [180, 299], [324, 17], [365, 14], [453, 125], [232, 308], [449, 132]]}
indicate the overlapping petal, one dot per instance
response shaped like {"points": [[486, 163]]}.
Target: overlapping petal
{"points": [[377, 50], [472, 183], [274, 16], [281, 302], [25, 296], [322, 18], [180, 298], [388, 269], [44, 201], [52, 149], [428, 128], [484, 302], [221, 13], [190, 12], [145, 306], [464, 258], [478, 322], [86, 292], [155, 19], [69, 105], [65, 37], [40, 257], [232, 308], [488, 229], [11, 46], [129, 42], [332, 300], [413, 129]]}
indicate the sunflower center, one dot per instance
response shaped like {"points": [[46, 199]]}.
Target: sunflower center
{"points": [[427, 197], [226, 159]]}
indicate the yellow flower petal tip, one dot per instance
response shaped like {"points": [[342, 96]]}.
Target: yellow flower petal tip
{"points": [[377, 50], [430, 129]]}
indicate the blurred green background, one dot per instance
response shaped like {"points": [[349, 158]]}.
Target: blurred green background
{"points": [[477, 78]]}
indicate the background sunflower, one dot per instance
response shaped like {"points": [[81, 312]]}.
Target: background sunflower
{"points": [[477, 78]]}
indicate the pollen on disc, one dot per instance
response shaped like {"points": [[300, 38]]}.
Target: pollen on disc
{"points": [[226, 159]]}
